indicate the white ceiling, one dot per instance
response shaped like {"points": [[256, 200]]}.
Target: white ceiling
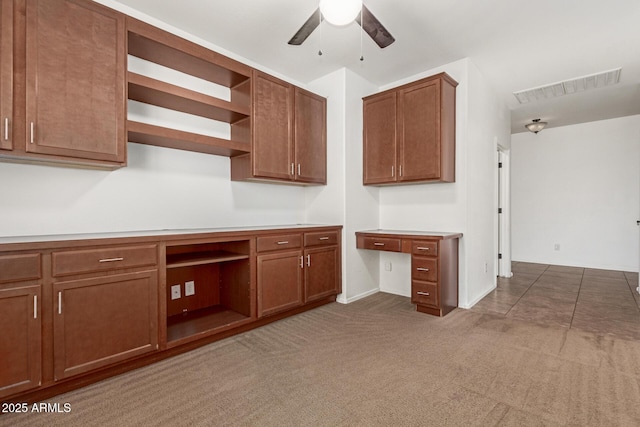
{"points": [[516, 44]]}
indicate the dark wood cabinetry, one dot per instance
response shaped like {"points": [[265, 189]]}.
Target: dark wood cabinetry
{"points": [[62, 70], [6, 74], [297, 268], [434, 264], [289, 135], [105, 306], [409, 133], [77, 310], [99, 321], [75, 65], [20, 317]]}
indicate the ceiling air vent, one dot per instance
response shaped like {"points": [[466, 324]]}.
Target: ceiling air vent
{"points": [[567, 87]]}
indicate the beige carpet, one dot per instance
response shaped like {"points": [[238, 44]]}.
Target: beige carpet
{"points": [[375, 362]]}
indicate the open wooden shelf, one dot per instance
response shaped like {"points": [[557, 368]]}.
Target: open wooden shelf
{"points": [[200, 258], [206, 320], [158, 46], [162, 94], [144, 133]]}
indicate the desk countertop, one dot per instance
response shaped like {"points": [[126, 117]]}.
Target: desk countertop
{"points": [[412, 233]]}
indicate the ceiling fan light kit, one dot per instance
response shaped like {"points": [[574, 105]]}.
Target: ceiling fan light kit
{"points": [[535, 126], [340, 12], [343, 12]]}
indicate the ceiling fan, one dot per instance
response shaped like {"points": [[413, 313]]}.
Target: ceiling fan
{"points": [[358, 12]]}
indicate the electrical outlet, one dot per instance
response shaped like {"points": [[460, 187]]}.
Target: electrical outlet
{"points": [[175, 292], [388, 266], [486, 267], [556, 247], [189, 288]]}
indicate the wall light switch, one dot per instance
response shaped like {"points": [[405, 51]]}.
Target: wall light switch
{"points": [[388, 266], [556, 247], [189, 288], [175, 292]]}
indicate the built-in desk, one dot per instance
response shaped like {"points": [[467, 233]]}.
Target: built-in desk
{"points": [[434, 264]]}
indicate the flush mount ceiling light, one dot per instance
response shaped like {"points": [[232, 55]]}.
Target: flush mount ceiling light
{"points": [[340, 12], [567, 87], [536, 126]]}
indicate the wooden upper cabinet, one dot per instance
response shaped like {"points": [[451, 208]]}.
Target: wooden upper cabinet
{"points": [[6, 74], [310, 134], [272, 127], [289, 135], [409, 133], [380, 138], [75, 80]]}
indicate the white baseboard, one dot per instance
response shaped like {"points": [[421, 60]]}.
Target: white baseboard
{"points": [[477, 300], [343, 300]]}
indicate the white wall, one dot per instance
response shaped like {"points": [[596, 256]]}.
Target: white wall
{"points": [[344, 200], [466, 206], [579, 187]]}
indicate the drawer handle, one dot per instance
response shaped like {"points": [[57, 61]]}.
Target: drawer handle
{"points": [[111, 259], [323, 238], [282, 242], [426, 294], [423, 248], [35, 306], [422, 269], [378, 244]]}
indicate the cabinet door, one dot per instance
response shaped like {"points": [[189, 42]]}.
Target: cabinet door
{"points": [[103, 320], [6, 74], [272, 128], [322, 273], [279, 282], [419, 132], [380, 139], [20, 340], [76, 62], [310, 137]]}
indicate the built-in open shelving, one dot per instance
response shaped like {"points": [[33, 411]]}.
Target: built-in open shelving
{"points": [[220, 272], [168, 50]]}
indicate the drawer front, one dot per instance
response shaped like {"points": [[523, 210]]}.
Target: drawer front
{"points": [[382, 244], [424, 248], [321, 238], [86, 261], [424, 269], [16, 268], [424, 293], [283, 241]]}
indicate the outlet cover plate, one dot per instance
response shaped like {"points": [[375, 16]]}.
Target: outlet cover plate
{"points": [[189, 288], [175, 292]]}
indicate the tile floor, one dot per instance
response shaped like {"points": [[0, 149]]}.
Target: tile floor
{"points": [[600, 301]]}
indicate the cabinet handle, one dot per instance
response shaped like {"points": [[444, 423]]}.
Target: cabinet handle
{"points": [[378, 244], [422, 269], [111, 259], [31, 128], [35, 306], [301, 261], [298, 169], [308, 260], [426, 294], [323, 238], [392, 171], [60, 302], [422, 248], [6, 128], [282, 242], [400, 169], [292, 166]]}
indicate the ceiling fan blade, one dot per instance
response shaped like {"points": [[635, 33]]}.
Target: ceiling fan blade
{"points": [[374, 28], [307, 28]]}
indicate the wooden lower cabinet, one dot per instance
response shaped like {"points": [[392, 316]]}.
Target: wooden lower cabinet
{"points": [[103, 320], [279, 281], [321, 273], [21, 338], [74, 312]]}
